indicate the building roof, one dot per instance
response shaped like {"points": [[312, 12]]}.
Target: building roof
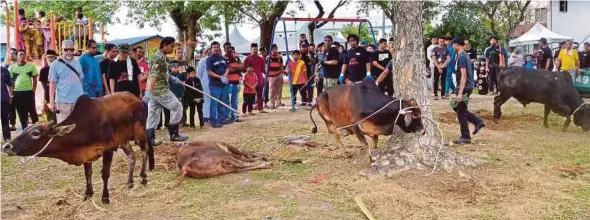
{"points": [[134, 40], [521, 29]]}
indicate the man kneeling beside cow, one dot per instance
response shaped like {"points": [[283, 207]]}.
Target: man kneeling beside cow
{"points": [[555, 90]]}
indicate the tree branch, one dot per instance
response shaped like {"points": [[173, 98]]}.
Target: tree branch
{"points": [[331, 15]]}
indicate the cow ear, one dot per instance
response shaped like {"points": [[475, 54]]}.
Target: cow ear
{"points": [[62, 130], [408, 119]]}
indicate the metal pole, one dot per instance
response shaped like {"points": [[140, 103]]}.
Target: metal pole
{"points": [[289, 77], [372, 32]]}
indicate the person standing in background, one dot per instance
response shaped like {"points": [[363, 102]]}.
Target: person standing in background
{"points": [[545, 59], [568, 60], [585, 57], [177, 69], [264, 54], [441, 58], [275, 77], [217, 70], [234, 74], [195, 98], [449, 83], [50, 56], [111, 52], [204, 77], [259, 66], [24, 77], [429, 54], [65, 82], [379, 61], [516, 59], [319, 69], [93, 86], [249, 90], [6, 99], [124, 73], [493, 55]]}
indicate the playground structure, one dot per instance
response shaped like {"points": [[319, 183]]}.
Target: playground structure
{"points": [[293, 19], [58, 30]]}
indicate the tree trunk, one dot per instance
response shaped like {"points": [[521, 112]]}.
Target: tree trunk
{"points": [[408, 151], [191, 35], [266, 28]]}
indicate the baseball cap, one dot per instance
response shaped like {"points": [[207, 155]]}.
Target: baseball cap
{"points": [[543, 40]]}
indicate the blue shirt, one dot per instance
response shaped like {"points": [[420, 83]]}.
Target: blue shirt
{"points": [[92, 76], [451, 66], [217, 65], [529, 65], [68, 86], [5, 82], [463, 61]]}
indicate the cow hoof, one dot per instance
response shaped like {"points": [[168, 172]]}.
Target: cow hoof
{"points": [[130, 185], [144, 182], [105, 200], [496, 121]]}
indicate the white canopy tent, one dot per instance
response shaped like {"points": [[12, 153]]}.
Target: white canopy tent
{"points": [[537, 32]]}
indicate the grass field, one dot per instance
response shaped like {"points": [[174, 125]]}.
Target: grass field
{"points": [[521, 179]]}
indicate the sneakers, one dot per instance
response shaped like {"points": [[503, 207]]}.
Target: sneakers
{"points": [[462, 141], [478, 128]]}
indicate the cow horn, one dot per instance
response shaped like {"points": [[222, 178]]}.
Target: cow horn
{"points": [[50, 123]]}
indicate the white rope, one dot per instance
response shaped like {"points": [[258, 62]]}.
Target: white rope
{"points": [[578, 108], [442, 140], [210, 96], [24, 159], [401, 112]]}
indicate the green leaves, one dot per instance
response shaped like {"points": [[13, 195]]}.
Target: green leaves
{"points": [[354, 29], [101, 11]]}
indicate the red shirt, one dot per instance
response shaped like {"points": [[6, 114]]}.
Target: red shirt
{"points": [[144, 68], [251, 79], [258, 64]]}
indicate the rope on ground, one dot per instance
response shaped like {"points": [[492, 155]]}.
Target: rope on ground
{"points": [[210, 96]]}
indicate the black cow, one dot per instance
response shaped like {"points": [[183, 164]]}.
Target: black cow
{"points": [[555, 90], [346, 104]]}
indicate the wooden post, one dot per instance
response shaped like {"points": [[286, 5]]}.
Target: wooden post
{"points": [[7, 30], [52, 30], [90, 28], [16, 25], [102, 33]]}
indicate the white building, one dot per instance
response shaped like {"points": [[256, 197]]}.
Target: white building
{"points": [[569, 18]]}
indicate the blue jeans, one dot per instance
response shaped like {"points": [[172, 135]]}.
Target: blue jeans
{"points": [[218, 112], [449, 85], [233, 91]]}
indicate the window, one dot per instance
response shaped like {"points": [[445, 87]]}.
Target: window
{"points": [[562, 6], [541, 15]]}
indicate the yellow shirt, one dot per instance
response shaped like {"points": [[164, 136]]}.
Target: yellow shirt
{"points": [[568, 59]]}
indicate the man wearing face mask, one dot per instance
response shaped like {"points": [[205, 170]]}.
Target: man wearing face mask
{"points": [[65, 82]]}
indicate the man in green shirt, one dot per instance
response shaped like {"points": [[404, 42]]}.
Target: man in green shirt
{"points": [[24, 76], [158, 94]]}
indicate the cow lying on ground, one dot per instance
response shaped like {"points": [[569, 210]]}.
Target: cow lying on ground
{"points": [[555, 90], [344, 105], [95, 128], [207, 159]]}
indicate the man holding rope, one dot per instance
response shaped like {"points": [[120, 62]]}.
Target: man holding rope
{"points": [[158, 94]]}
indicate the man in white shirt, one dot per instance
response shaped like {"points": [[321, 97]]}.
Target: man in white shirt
{"points": [[429, 54]]}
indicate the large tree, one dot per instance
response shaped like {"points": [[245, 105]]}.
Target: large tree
{"points": [[184, 14], [318, 24], [101, 11], [408, 151], [263, 13], [367, 7]]}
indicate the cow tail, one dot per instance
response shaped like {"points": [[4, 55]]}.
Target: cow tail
{"points": [[315, 127], [151, 158]]}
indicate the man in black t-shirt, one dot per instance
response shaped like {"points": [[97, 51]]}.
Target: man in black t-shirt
{"points": [[379, 61], [331, 63], [307, 90], [110, 53], [545, 60], [440, 57], [122, 76], [357, 65], [585, 57], [51, 56]]}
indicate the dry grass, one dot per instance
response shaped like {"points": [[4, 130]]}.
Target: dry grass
{"points": [[522, 179]]}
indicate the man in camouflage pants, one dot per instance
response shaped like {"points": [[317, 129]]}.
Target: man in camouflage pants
{"points": [[158, 94]]}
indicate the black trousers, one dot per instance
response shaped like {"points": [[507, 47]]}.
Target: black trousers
{"points": [[248, 103], [387, 85], [320, 85], [5, 113], [12, 114], [24, 102], [306, 94], [185, 105], [439, 78], [298, 88], [493, 77], [465, 116], [266, 84], [199, 106]]}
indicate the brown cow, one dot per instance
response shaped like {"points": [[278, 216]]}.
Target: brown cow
{"points": [[344, 105], [207, 159], [95, 128]]}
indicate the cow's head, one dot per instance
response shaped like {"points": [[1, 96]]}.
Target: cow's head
{"points": [[410, 120], [582, 117], [34, 138]]}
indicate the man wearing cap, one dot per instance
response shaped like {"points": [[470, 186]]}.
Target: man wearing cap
{"points": [[331, 63], [465, 84], [544, 61], [357, 65], [65, 82], [158, 94], [493, 55], [91, 69], [124, 73], [585, 57], [259, 66]]}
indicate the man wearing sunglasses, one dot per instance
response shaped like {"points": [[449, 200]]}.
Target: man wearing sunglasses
{"points": [[91, 68], [65, 82]]}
